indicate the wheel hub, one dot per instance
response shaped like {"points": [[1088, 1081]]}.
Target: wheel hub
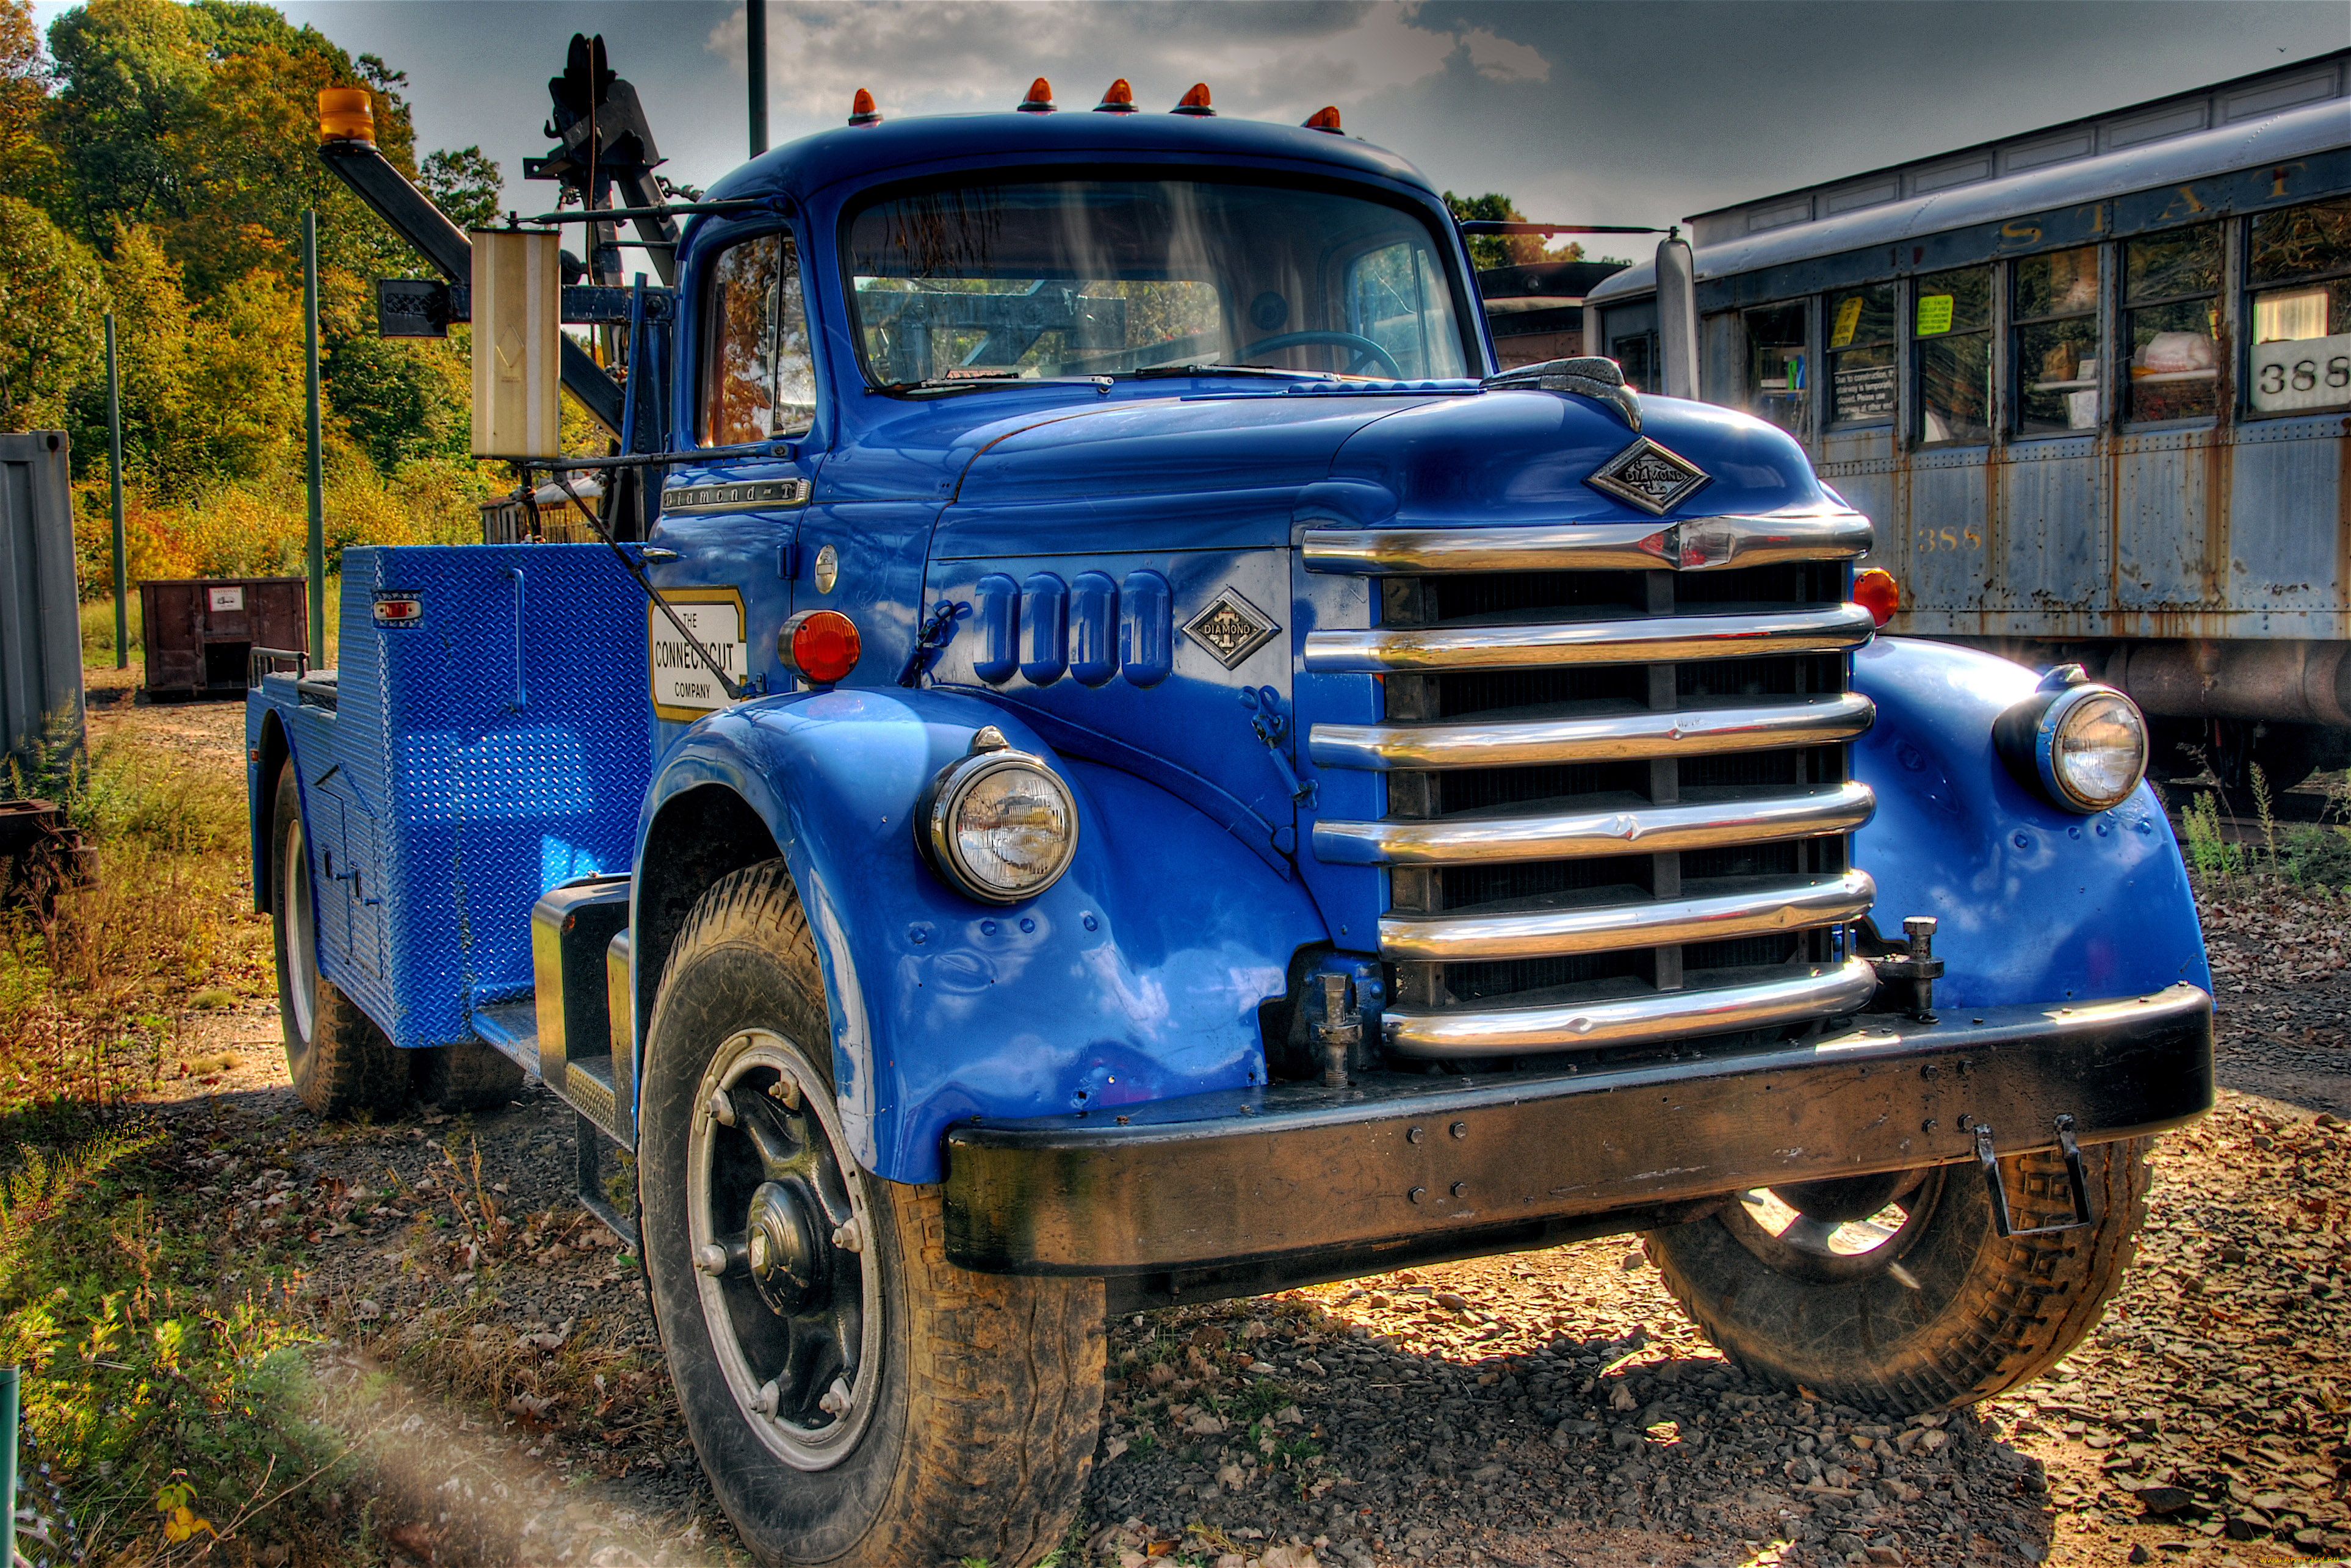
{"points": [[782, 1248], [778, 1222]]}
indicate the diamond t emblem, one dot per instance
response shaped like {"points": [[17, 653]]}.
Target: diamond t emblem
{"points": [[1649, 476], [1232, 628]]}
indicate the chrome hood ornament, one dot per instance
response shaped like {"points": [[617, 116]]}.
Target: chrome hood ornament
{"points": [[1602, 380]]}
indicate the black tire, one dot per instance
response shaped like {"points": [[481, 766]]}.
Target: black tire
{"points": [[470, 1076], [1942, 1314], [973, 1437], [340, 1063]]}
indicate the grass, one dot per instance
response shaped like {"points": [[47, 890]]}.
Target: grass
{"points": [[2313, 855]]}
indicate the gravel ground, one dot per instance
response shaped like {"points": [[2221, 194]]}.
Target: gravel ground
{"points": [[1547, 1408]]}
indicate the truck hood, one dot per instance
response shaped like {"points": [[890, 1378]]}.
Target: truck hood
{"points": [[1465, 456]]}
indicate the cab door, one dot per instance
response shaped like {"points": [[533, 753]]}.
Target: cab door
{"points": [[723, 548]]}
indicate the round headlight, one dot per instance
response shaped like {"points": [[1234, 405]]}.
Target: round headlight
{"points": [[1001, 826], [2094, 748], [2083, 746]]}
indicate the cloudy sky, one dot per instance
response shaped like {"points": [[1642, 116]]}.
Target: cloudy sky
{"points": [[1583, 110]]}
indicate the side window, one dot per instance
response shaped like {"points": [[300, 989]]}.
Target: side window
{"points": [[2301, 276], [1398, 298], [1776, 386], [2056, 308], [1629, 333], [1952, 336], [1861, 355], [759, 378], [2171, 303]]}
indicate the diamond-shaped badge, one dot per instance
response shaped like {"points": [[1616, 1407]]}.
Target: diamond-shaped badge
{"points": [[1649, 476], [1232, 628]]}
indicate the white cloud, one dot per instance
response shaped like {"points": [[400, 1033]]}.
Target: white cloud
{"points": [[1272, 62]]}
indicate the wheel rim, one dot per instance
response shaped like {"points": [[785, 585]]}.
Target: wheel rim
{"points": [[779, 1220], [1828, 1247], [301, 959]]}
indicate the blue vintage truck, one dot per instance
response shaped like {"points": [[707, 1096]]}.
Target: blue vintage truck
{"points": [[1154, 775]]}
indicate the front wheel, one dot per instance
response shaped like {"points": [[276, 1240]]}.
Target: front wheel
{"points": [[1895, 1292], [853, 1395]]}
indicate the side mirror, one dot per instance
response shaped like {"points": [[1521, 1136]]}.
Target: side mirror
{"points": [[1676, 318], [518, 343]]}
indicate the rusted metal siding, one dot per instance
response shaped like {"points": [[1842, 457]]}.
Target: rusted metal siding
{"points": [[201, 631]]}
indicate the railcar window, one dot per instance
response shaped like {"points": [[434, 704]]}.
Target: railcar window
{"points": [[1953, 333], [2301, 274], [1777, 387], [1861, 355], [2171, 286], [2056, 308], [758, 379]]}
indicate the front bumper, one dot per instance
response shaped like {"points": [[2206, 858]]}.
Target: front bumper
{"points": [[1404, 1162]]}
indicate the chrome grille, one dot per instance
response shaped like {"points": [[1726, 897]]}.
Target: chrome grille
{"points": [[1618, 809]]}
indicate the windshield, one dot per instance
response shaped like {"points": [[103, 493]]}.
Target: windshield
{"points": [[1092, 277]]}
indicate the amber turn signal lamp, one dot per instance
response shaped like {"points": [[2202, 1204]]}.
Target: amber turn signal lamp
{"points": [[1877, 592], [820, 647], [862, 111], [346, 114], [1040, 100], [1194, 102], [1119, 99], [1325, 118]]}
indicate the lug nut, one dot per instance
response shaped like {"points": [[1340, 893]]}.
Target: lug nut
{"points": [[722, 1107], [849, 1238], [768, 1400], [836, 1400], [710, 1257], [786, 1091]]}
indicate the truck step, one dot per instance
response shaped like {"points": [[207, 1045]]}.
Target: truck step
{"points": [[510, 1029]]}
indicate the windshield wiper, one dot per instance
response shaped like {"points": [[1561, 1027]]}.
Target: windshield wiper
{"points": [[990, 382], [1152, 371]]}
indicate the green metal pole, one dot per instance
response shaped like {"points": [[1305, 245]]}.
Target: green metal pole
{"points": [[8, 1466], [114, 468], [318, 467]]}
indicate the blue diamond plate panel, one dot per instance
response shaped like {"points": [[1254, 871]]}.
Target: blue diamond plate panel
{"points": [[494, 746]]}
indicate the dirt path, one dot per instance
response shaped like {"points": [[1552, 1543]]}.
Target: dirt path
{"points": [[493, 1356]]}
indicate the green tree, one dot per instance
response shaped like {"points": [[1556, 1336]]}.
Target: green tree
{"points": [[131, 75], [1503, 250], [27, 164], [155, 342], [52, 305], [464, 184]]}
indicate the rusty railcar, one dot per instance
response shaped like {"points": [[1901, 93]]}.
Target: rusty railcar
{"points": [[2092, 383]]}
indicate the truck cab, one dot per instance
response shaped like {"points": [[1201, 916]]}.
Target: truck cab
{"points": [[1129, 765]]}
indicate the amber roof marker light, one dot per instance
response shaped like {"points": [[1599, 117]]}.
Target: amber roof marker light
{"points": [[1119, 99], [1194, 102], [862, 111], [1877, 592], [346, 114], [1325, 118], [1040, 100]]}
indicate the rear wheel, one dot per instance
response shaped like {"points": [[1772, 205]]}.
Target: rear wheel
{"points": [[1896, 1292], [340, 1063], [853, 1395]]}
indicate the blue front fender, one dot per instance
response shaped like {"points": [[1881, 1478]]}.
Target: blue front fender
{"points": [[1137, 976], [2036, 905]]}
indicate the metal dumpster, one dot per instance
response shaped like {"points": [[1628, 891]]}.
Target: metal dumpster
{"points": [[201, 631]]}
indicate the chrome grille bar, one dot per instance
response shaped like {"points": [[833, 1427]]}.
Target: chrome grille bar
{"points": [[1601, 928], [1615, 737], [1633, 1020], [1571, 835], [1694, 544], [1676, 639]]}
